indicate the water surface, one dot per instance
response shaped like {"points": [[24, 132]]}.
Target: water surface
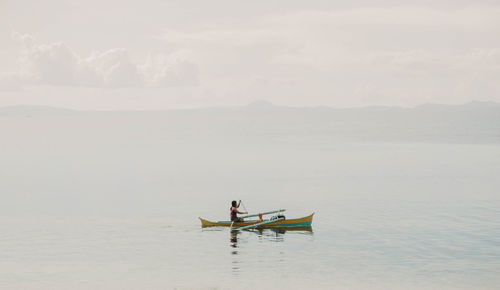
{"points": [[90, 210]]}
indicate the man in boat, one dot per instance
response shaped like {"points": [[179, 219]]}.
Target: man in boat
{"points": [[235, 211]]}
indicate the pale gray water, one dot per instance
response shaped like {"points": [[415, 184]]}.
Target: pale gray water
{"points": [[95, 208]]}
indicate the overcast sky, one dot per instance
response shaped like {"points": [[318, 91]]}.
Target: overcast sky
{"points": [[178, 54]]}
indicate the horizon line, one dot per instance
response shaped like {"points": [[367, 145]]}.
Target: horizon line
{"points": [[267, 105]]}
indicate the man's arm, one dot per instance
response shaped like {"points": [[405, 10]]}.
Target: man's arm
{"points": [[241, 212], [238, 204]]}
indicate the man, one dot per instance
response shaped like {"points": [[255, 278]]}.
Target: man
{"points": [[235, 211]]}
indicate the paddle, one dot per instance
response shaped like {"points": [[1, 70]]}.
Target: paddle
{"points": [[244, 207]]}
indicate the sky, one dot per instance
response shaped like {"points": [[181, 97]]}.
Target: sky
{"points": [[142, 55]]}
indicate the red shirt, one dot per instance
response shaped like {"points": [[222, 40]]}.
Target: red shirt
{"points": [[233, 213]]}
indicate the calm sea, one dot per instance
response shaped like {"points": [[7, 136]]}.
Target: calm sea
{"points": [[109, 214]]}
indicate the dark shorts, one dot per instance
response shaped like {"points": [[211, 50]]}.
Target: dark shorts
{"points": [[237, 220]]}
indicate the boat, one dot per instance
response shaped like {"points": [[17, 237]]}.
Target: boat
{"points": [[273, 222]]}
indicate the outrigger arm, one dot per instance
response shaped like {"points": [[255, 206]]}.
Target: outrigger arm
{"points": [[258, 224], [264, 213]]}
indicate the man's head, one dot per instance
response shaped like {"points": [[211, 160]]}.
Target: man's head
{"points": [[233, 203]]}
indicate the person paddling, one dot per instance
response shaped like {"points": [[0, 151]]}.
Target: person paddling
{"points": [[235, 211]]}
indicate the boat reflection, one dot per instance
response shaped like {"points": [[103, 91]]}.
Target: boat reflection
{"points": [[269, 235], [234, 240], [274, 234]]}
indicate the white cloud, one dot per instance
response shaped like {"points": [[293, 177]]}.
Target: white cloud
{"points": [[115, 68], [164, 71], [10, 82], [337, 53], [401, 55], [58, 65]]}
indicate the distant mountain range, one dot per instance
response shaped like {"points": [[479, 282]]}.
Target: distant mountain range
{"points": [[474, 122], [35, 110], [261, 105]]}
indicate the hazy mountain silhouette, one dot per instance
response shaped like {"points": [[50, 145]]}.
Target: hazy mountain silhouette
{"points": [[475, 122], [262, 105], [34, 110]]}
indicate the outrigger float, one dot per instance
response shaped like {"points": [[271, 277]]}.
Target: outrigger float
{"points": [[276, 221]]}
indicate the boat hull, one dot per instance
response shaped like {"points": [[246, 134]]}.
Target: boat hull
{"points": [[288, 223]]}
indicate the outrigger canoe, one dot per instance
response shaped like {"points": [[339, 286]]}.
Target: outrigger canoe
{"points": [[304, 222]]}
